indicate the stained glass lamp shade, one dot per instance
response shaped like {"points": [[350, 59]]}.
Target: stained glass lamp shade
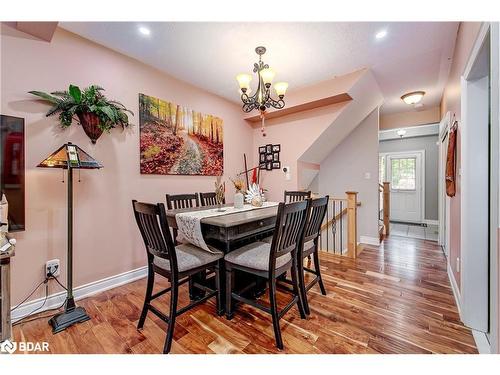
{"points": [[69, 156], [72, 155]]}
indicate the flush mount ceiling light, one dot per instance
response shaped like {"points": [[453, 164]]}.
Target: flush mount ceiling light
{"points": [[401, 133], [262, 99], [144, 30], [413, 97], [381, 34]]}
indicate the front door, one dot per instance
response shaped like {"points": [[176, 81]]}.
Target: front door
{"points": [[404, 172]]}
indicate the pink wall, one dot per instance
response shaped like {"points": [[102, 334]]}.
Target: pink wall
{"points": [[467, 34], [410, 118], [106, 239], [295, 133]]}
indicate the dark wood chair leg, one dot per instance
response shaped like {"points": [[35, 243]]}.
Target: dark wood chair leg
{"points": [[218, 297], [274, 313], [297, 291], [229, 290], [147, 298], [302, 286], [318, 272], [172, 316]]}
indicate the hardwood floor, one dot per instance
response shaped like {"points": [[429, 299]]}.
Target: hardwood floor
{"points": [[395, 298]]}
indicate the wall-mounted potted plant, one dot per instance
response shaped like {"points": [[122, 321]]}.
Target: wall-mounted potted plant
{"points": [[89, 107]]}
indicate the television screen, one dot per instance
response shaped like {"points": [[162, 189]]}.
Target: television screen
{"points": [[12, 168]]}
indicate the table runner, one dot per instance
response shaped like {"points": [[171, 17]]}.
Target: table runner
{"points": [[189, 223]]}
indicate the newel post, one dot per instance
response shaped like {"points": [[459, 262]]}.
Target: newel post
{"points": [[352, 223], [387, 207]]}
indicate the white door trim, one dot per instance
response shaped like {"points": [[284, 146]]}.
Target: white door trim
{"points": [[385, 155], [475, 179]]}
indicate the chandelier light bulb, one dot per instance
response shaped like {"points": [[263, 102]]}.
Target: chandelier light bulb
{"points": [[244, 81], [267, 75], [280, 89]]}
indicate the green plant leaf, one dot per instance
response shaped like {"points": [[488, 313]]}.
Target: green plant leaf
{"points": [[109, 112], [75, 93], [45, 96]]}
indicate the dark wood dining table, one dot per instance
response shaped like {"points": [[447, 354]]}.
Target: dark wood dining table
{"points": [[230, 231]]}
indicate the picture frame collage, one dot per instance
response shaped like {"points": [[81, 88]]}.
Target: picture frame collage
{"points": [[269, 157]]}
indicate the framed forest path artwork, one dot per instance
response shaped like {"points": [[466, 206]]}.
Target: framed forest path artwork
{"points": [[177, 140]]}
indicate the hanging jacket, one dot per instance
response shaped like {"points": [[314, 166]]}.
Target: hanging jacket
{"points": [[450, 173]]}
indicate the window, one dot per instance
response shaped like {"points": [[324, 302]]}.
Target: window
{"points": [[403, 173]]}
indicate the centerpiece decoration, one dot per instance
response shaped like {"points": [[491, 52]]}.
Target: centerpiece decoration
{"points": [[89, 107], [238, 196], [254, 196], [220, 189]]}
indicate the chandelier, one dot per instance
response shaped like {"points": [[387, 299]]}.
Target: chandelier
{"points": [[262, 99]]}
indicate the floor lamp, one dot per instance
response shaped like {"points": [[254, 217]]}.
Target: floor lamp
{"points": [[69, 156]]}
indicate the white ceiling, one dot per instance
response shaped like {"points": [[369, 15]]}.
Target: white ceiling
{"points": [[413, 55]]}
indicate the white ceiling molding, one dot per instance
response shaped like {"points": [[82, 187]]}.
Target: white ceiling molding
{"points": [[411, 132]]}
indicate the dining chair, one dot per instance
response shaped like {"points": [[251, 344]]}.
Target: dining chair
{"points": [[296, 196], [310, 246], [269, 261], [178, 201], [176, 263], [209, 199]]}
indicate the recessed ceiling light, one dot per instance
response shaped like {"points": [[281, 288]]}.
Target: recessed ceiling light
{"points": [[413, 97], [144, 30], [381, 34]]}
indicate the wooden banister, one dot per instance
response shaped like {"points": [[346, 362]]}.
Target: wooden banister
{"points": [[352, 224]]}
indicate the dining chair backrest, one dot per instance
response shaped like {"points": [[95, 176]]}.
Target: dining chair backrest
{"points": [[315, 218], [209, 199], [178, 201], [289, 230], [296, 196], [152, 222]]}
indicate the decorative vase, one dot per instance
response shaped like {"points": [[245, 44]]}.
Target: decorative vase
{"points": [[238, 200], [90, 123]]}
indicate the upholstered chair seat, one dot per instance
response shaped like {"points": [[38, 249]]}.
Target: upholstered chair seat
{"points": [[188, 258], [308, 246], [255, 256]]}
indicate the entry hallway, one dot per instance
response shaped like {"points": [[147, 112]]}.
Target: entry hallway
{"points": [[395, 298]]}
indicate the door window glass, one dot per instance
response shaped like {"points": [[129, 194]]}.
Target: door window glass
{"points": [[403, 173]]}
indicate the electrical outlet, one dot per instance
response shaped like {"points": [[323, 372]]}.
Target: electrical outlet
{"points": [[458, 264], [53, 267]]}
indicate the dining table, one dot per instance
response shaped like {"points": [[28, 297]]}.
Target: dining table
{"points": [[229, 231]]}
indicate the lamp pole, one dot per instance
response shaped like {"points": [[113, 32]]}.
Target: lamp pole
{"points": [[72, 314], [70, 302]]}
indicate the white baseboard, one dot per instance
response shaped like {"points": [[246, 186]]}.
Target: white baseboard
{"points": [[455, 289], [482, 343], [82, 291], [369, 240], [431, 222]]}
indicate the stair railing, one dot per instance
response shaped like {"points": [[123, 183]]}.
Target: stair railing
{"points": [[339, 229]]}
